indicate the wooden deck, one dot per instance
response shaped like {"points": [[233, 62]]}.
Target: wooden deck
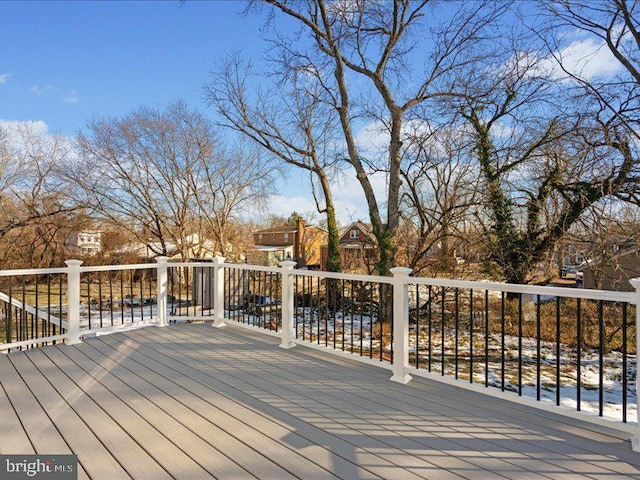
{"points": [[194, 402]]}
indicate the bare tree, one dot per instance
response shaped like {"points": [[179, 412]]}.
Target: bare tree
{"points": [[369, 47], [161, 175], [34, 207], [290, 123], [541, 168], [439, 200]]}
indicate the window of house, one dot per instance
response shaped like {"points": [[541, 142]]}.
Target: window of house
{"points": [[260, 237], [353, 234], [286, 237]]}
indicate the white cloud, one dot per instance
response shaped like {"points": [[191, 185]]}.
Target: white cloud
{"points": [[36, 126], [282, 205], [3, 78], [71, 95], [373, 137], [586, 58], [36, 90]]}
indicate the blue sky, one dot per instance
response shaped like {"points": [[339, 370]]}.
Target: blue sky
{"points": [[63, 63], [68, 61]]}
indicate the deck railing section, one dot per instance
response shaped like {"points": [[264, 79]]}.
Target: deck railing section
{"points": [[117, 295], [32, 308], [570, 346], [342, 312]]}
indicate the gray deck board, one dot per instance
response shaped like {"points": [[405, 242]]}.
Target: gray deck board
{"points": [[195, 402], [376, 412]]}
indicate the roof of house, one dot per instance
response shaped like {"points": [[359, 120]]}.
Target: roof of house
{"points": [[365, 228], [279, 229]]}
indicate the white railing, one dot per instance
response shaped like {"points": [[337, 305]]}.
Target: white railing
{"points": [[532, 342]]}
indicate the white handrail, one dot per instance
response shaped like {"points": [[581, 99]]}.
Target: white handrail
{"points": [[605, 295], [32, 310]]}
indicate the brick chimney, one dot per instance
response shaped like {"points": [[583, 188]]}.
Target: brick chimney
{"points": [[298, 249]]}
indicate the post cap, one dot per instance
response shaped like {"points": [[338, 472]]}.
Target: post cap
{"points": [[161, 259], [73, 263], [635, 283], [219, 259], [288, 264], [400, 271]]}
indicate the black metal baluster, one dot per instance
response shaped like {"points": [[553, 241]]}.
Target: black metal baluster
{"points": [[624, 362], [471, 336], [579, 354], [379, 316], [50, 324], [371, 288], [9, 314], [429, 324], [24, 320], [43, 332], [100, 296], [122, 296], [352, 311], [417, 326], [361, 295], [111, 296], [538, 334], [131, 275], [187, 290], [59, 304], [141, 281], [456, 326], [520, 344], [150, 276], [89, 299], [486, 338], [558, 360], [600, 358], [502, 352], [442, 336]]}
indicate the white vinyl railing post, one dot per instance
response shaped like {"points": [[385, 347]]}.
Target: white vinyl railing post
{"points": [[218, 292], [287, 329], [162, 290], [635, 283], [73, 301], [400, 325]]}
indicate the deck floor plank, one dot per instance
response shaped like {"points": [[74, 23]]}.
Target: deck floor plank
{"points": [[67, 414], [44, 436], [193, 402], [241, 410], [13, 439], [181, 405], [169, 459], [372, 414], [73, 384], [340, 416]]}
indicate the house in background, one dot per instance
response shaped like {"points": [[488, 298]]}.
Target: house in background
{"points": [[613, 268], [358, 249], [300, 243], [87, 243]]}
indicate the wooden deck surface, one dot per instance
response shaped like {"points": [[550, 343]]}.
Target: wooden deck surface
{"points": [[195, 402]]}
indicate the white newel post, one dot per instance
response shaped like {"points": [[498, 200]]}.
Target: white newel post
{"points": [[635, 283], [73, 301], [400, 325], [287, 304], [162, 291], [218, 292]]}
